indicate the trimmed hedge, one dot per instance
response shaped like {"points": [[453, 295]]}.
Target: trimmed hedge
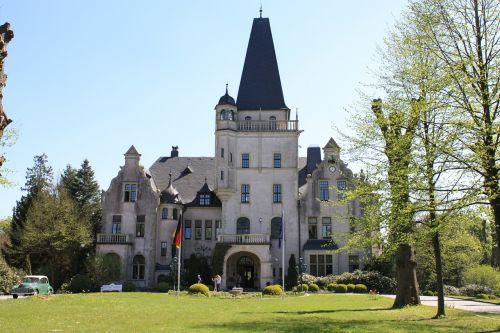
{"points": [[340, 288], [80, 283], [360, 289], [128, 286], [162, 287], [313, 287], [198, 288], [475, 289], [302, 287], [274, 289], [350, 288], [331, 286]]}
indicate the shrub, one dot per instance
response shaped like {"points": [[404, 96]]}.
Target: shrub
{"points": [[360, 289], [483, 275], [313, 287], [428, 293], [340, 288], [8, 276], [128, 286], [372, 280], [307, 278], [80, 283], [350, 287], [451, 290], [162, 287], [198, 288], [324, 281], [302, 287], [274, 289], [331, 286], [474, 289], [486, 296]]}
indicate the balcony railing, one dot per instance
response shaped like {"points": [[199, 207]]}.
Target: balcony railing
{"points": [[244, 238], [113, 239], [268, 125]]}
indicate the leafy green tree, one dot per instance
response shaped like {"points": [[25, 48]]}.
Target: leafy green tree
{"points": [[53, 236], [8, 276], [38, 180]]}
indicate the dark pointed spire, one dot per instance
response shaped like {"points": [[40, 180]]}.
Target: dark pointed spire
{"points": [[226, 99], [260, 11], [260, 85]]}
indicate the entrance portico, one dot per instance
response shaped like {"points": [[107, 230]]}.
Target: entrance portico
{"points": [[251, 263]]}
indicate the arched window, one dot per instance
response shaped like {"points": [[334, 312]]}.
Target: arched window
{"points": [[272, 118], [275, 227], [243, 226], [231, 115], [174, 214], [223, 115], [248, 118], [164, 213], [138, 267]]}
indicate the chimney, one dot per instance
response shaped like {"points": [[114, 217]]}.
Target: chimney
{"points": [[175, 151], [313, 158]]}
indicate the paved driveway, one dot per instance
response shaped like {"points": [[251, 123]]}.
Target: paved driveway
{"points": [[459, 304]]}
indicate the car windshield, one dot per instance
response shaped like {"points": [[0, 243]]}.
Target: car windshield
{"points": [[30, 279]]}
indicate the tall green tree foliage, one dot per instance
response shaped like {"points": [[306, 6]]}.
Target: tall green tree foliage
{"points": [[54, 235], [464, 34], [38, 180]]}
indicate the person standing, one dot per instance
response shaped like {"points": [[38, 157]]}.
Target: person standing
{"points": [[199, 278], [218, 281]]}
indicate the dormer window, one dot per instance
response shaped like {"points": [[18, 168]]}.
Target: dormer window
{"points": [[204, 199], [130, 193]]}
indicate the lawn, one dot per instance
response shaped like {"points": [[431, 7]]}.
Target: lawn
{"points": [[152, 312]]}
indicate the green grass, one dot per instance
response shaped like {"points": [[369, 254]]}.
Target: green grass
{"points": [[492, 301], [150, 312]]}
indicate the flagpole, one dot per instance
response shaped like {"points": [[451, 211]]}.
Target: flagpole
{"points": [[283, 253], [180, 258]]}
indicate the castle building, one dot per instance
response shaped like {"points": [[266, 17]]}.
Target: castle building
{"points": [[232, 204]]}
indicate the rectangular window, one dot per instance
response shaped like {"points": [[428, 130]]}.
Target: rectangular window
{"points": [[277, 160], [204, 199], [222, 152], [130, 193], [163, 249], [164, 213], [323, 190], [326, 227], [313, 227], [341, 187], [313, 265], [230, 157], [245, 193], [208, 230], [320, 264], [187, 229], [197, 229], [353, 263], [245, 160], [276, 193], [222, 175], [218, 228], [140, 226], [116, 227]]}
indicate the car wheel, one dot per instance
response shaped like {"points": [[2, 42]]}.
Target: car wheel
{"points": [[50, 292], [14, 296], [35, 292]]}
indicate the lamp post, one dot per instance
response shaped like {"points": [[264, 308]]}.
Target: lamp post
{"points": [[301, 267]]}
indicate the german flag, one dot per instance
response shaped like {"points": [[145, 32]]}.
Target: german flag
{"points": [[178, 233]]}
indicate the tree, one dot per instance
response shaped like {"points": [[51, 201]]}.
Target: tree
{"points": [[292, 276], [54, 235], [38, 180], [6, 36], [464, 34]]}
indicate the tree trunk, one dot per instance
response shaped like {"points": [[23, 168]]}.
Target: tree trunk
{"points": [[439, 275], [495, 206], [406, 276]]}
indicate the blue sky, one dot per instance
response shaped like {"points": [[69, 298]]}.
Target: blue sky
{"points": [[87, 79]]}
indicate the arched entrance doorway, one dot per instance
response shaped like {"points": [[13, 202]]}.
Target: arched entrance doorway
{"points": [[246, 272], [243, 270]]}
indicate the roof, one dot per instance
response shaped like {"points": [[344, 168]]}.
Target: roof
{"points": [[331, 144], [260, 85], [132, 151], [320, 244], [226, 99], [188, 174]]}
